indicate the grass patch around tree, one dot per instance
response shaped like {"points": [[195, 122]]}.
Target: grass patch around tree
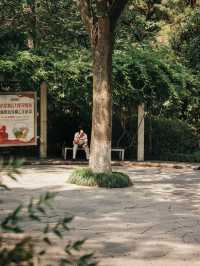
{"points": [[85, 177]]}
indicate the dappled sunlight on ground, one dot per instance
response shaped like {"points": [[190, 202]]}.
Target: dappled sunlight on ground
{"points": [[155, 222]]}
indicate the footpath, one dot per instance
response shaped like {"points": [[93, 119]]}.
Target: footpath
{"points": [[153, 223], [160, 164]]}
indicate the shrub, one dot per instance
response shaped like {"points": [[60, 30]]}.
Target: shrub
{"points": [[85, 177], [182, 157], [170, 137]]}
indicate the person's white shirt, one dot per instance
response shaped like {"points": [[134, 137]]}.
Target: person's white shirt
{"points": [[80, 137]]}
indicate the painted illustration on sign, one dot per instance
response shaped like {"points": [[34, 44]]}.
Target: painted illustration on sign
{"points": [[18, 119]]}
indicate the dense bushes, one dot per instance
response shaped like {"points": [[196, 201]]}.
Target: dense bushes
{"points": [[181, 157], [168, 139], [165, 139], [166, 86], [85, 177], [144, 70]]}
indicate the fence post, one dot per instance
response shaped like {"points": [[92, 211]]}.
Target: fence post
{"points": [[140, 146], [43, 120]]}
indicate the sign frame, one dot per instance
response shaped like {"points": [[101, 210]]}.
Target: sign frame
{"points": [[34, 93]]}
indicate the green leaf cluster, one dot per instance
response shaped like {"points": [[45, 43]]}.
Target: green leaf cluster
{"points": [[27, 249]]}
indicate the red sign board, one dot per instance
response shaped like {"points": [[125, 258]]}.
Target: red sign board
{"points": [[18, 123]]}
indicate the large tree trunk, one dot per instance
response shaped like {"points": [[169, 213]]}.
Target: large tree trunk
{"points": [[100, 156]]}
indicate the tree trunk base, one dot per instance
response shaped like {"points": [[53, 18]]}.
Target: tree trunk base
{"points": [[101, 157]]}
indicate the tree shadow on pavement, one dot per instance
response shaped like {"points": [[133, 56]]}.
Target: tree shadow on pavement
{"points": [[156, 218]]}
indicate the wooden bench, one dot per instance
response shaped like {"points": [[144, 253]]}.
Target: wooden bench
{"points": [[66, 149], [119, 150]]}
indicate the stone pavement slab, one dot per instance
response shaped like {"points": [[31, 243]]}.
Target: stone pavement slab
{"points": [[154, 223], [165, 164]]}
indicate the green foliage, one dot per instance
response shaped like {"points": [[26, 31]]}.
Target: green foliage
{"points": [[85, 177], [146, 21], [186, 39], [140, 75], [181, 157], [167, 136], [152, 76], [163, 137], [53, 26], [145, 69], [135, 27], [11, 168], [26, 249]]}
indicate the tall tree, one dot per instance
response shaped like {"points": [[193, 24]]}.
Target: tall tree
{"points": [[100, 19]]}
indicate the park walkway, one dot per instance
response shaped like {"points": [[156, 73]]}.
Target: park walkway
{"points": [[154, 223]]}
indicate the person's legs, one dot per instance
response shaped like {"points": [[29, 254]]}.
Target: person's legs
{"points": [[87, 151], [75, 148], [84, 145]]}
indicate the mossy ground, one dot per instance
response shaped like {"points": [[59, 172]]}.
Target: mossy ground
{"points": [[85, 177]]}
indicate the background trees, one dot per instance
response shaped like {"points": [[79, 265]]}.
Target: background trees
{"points": [[155, 60]]}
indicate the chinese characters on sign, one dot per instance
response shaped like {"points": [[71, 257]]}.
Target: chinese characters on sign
{"points": [[18, 119]]}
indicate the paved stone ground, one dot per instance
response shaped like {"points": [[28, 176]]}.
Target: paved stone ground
{"points": [[154, 223]]}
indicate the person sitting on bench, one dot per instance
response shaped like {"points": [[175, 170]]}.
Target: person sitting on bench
{"points": [[80, 140]]}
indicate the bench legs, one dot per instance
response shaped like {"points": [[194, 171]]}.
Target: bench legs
{"points": [[122, 155], [65, 154], [65, 150]]}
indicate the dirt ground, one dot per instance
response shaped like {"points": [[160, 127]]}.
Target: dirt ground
{"points": [[154, 223]]}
